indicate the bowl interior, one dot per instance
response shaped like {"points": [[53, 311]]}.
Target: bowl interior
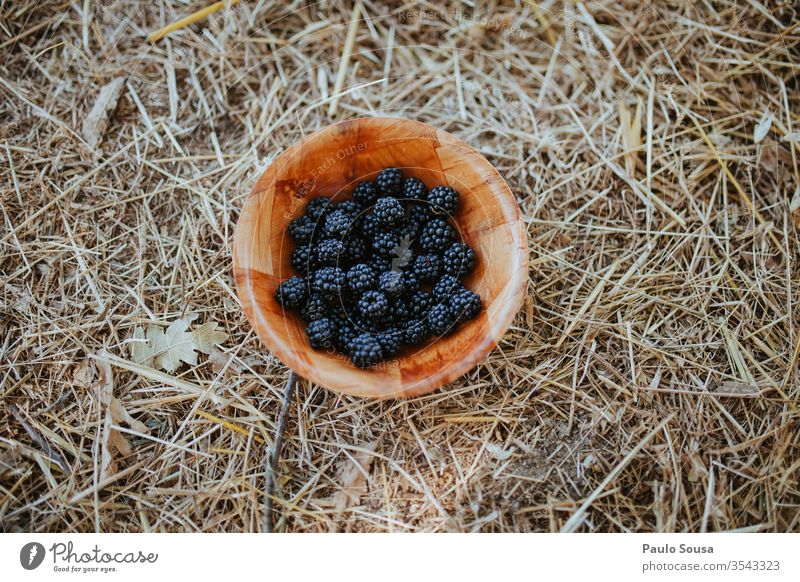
{"points": [[330, 163]]}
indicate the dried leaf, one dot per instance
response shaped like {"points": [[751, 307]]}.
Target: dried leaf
{"points": [[83, 374], [206, 337], [762, 128], [403, 254], [792, 137], [111, 439], [166, 350], [353, 474], [95, 123]]}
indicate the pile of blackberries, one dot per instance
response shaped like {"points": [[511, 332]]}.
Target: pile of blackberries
{"points": [[381, 270]]}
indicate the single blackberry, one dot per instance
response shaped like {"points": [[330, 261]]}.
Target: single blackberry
{"points": [[458, 260], [398, 312], [380, 263], [389, 340], [427, 268], [465, 304], [292, 293], [389, 181], [349, 207], [446, 286], [373, 305], [314, 308], [346, 334], [362, 278], [303, 259], [365, 350], [436, 236], [419, 213], [440, 320], [370, 227], [366, 193], [330, 252], [420, 304], [391, 283], [364, 325], [321, 333], [414, 332], [337, 223], [389, 211], [414, 189], [355, 249], [301, 229], [329, 282], [410, 282], [318, 207], [408, 230], [443, 200], [385, 243]]}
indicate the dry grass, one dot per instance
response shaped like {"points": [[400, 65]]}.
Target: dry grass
{"points": [[650, 384]]}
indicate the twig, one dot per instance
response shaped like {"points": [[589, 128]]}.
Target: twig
{"points": [[272, 458]]}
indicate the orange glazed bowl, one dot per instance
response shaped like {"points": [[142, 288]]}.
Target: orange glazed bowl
{"points": [[330, 163]]}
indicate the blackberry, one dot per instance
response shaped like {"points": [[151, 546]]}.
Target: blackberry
{"points": [[329, 282], [414, 332], [321, 333], [303, 259], [419, 213], [465, 304], [346, 334], [365, 350], [399, 311], [373, 305], [389, 340], [446, 286], [329, 252], [391, 283], [337, 223], [420, 304], [302, 229], [410, 282], [408, 230], [441, 320], [436, 236], [369, 226], [315, 308], [414, 189], [388, 211], [318, 207], [385, 243], [363, 325], [292, 293], [380, 263], [389, 181], [427, 268], [443, 200], [362, 278], [349, 207], [459, 260], [366, 193], [354, 248]]}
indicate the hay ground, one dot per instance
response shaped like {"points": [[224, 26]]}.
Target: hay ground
{"points": [[649, 384]]}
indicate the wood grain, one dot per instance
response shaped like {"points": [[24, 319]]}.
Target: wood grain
{"points": [[331, 162]]}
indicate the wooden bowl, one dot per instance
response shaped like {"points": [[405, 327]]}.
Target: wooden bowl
{"points": [[331, 162]]}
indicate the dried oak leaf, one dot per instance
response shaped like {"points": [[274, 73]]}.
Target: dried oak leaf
{"points": [[167, 349]]}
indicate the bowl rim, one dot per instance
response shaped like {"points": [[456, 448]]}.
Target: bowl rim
{"points": [[454, 369]]}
